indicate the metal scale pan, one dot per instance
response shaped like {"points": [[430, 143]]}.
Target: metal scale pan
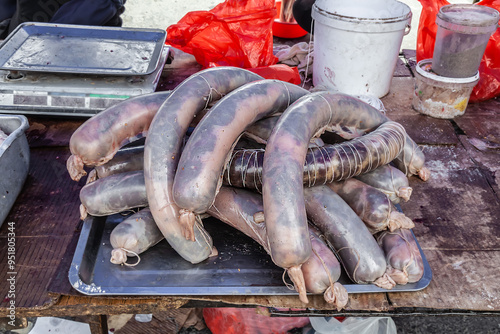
{"points": [[75, 70]]}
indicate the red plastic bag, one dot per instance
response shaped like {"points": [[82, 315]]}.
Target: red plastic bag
{"points": [[227, 320], [489, 69], [280, 72], [234, 33]]}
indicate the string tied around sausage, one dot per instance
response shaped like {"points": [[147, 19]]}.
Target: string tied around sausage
{"points": [[128, 251], [355, 252], [324, 267], [211, 89], [288, 285], [408, 244]]}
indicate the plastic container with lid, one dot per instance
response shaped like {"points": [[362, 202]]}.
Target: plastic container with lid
{"points": [[462, 35], [438, 96]]}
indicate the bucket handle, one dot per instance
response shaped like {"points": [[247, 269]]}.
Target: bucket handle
{"points": [[407, 29]]}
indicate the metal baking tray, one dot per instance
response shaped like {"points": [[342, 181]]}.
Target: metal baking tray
{"points": [[79, 49], [241, 268]]}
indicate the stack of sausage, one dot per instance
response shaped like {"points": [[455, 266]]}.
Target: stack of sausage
{"points": [[257, 160]]}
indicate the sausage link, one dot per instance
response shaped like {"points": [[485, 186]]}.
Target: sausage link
{"points": [[242, 210], [283, 166], [371, 205], [361, 256], [325, 163], [198, 175], [162, 151], [98, 139], [389, 180], [114, 194], [133, 236], [125, 160], [404, 261]]}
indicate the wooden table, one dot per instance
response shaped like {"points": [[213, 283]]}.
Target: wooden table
{"points": [[456, 213]]}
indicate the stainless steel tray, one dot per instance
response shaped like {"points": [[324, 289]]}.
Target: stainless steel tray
{"points": [[241, 268], [64, 48]]}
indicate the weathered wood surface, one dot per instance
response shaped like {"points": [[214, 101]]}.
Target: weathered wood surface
{"points": [[98, 324], [456, 212], [45, 217]]}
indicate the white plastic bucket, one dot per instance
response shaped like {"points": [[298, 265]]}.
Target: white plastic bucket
{"points": [[357, 43]]}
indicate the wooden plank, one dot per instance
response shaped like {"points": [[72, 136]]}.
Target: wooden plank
{"points": [[485, 154], [482, 110], [36, 261], [401, 69], [78, 306], [51, 132], [103, 305], [398, 100], [482, 123], [455, 209], [376, 302], [87, 305], [44, 216], [368, 302], [267, 301], [456, 215], [411, 58], [426, 130], [83, 305], [98, 324], [440, 159], [462, 280]]}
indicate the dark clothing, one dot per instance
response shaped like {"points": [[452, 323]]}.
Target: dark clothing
{"points": [[85, 12], [7, 9], [90, 12], [302, 10]]}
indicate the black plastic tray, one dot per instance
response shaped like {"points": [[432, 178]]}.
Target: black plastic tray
{"points": [[241, 268]]}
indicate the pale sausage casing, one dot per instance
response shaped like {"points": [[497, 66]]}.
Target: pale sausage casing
{"points": [[163, 148], [98, 139], [198, 176], [133, 236], [361, 256], [242, 210], [404, 261]]}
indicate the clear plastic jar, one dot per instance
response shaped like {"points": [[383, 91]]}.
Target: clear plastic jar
{"points": [[462, 35]]}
